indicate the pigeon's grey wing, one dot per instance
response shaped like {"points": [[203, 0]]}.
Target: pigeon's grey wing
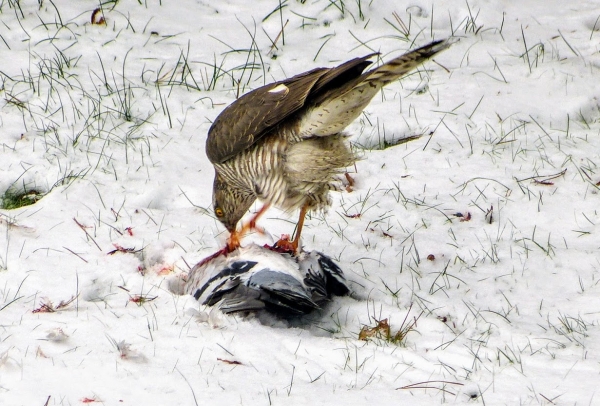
{"points": [[285, 294], [242, 299]]}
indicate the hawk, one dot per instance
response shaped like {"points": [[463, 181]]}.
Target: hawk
{"points": [[283, 143]]}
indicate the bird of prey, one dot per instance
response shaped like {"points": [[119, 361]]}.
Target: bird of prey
{"points": [[283, 143]]}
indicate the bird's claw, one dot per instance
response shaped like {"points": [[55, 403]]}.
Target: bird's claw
{"points": [[284, 245], [235, 238], [233, 242]]}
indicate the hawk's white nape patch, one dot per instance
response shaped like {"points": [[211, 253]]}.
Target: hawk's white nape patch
{"points": [[280, 88]]}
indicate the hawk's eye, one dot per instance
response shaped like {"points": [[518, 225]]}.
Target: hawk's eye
{"points": [[219, 212]]}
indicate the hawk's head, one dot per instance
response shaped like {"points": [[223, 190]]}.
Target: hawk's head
{"points": [[229, 204]]}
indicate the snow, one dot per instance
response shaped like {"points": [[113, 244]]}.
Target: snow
{"points": [[109, 121]]}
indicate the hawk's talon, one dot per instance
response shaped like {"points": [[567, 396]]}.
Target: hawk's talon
{"points": [[284, 245], [233, 242], [235, 238]]}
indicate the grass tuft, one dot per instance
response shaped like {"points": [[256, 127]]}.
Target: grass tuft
{"points": [[13, 199], [382, 331]]}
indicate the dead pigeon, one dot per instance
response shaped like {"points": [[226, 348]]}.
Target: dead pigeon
{"points": [[257, 278]]}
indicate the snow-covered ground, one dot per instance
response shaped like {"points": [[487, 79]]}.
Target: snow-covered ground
{"points": [[109, 122]]}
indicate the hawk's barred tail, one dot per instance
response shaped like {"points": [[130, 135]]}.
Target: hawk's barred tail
{"points": [[403, 64], [335, 109]]}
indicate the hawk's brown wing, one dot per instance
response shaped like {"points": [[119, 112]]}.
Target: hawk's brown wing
{"points": [[250, 117]]}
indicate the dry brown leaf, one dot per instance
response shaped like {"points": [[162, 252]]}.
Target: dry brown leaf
{"points": [[229, 361]]}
